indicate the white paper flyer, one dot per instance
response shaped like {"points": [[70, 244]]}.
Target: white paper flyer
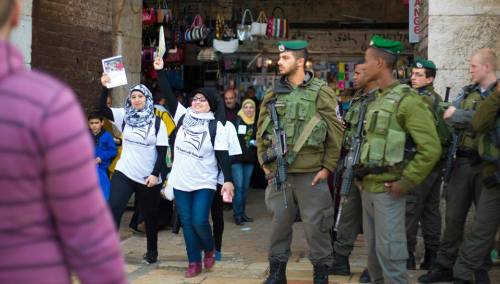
{"points": [[115, 69]]}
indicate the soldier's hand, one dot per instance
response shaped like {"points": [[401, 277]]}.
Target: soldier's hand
{"points": [[158, 63], [321, 175], [358, 184], [449, 112], [267, 172], [395, 189]]}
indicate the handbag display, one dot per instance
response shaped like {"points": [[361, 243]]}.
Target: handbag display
{"points": [[197, 32], [226, 46], [243, 30], [207, 55], [259, 27]]}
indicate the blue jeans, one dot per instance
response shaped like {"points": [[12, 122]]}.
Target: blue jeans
{"points": [[242, 172], [193, 209]]}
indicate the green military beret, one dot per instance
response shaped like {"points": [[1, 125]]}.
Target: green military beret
{"points": [[422, 63], [292, 45], [387, 45]]}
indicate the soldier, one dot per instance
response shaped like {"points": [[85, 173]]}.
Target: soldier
{"points": [[422, 202], [477, 245], [350, 223], [307, 110], [466, 176], [399, 150]]}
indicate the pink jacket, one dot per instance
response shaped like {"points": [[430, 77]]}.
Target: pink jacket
{"points": [[53, 218]]}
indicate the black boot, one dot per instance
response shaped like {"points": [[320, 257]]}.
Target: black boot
{"points": [[238, 221], [277, 273], [429, 260], [437, 274], [150, 257], [365, 277], [321, 274], [410, 262], [245, 218], [481, 277], [340, 265]]}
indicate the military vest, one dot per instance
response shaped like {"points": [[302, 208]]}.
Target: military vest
{"points": [[295, 109], [351, 118], [467, 138], [434, 102], [385, 140], [489, 143]]}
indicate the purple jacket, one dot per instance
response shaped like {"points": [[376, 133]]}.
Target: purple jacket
{"points": [[53, 218]]}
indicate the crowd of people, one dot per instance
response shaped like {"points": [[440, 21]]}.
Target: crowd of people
{"points": [[389, 152]]}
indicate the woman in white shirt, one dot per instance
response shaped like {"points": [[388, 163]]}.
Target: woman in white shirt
{"points": [[144, 147], [198, 158]]}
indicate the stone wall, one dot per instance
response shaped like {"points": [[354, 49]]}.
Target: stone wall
{"points": [[21, 36], [69, 41], [456, 29]]}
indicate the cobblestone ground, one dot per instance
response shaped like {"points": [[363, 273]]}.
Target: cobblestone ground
{"points": [[244, 258]]}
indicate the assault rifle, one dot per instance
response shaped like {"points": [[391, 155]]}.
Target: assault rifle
{"points": [[351, 159], [451, 155], [277, 152]]}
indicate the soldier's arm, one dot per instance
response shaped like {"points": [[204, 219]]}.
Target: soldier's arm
{"points": [[418, 121], [484, 119], [328, 110], [263, 114], [461, 118]]}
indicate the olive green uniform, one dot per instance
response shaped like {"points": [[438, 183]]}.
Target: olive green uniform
{"points": [[397, 119], [465, 182], [422, 202], [478, 242], [295, 107], [350, 223]]}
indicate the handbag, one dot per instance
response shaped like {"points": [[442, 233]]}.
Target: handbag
{"points": [[259, 27], [219, 27], [148, 16], [207, 55], [163, 13], [226, 46], [198, 31], [243, 30], [277, 26]]}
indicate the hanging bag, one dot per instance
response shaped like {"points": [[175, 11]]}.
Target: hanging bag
{"points": [[279, 24], [148, 16], [259, 27], [243, 30], [207, 55], [226, 46], [198, 31]]}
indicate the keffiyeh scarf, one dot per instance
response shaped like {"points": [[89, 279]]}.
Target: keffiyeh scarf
{"points": [[139, 118]]}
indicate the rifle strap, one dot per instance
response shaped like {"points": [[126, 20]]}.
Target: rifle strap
{"points": [[306, 132]]}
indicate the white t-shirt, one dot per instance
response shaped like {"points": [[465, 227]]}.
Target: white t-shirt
{"points": [[139, 154], [179, 112], [195, 164], [233, 145]]}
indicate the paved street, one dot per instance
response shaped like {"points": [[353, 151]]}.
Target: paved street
{"points": [[244, 258]]}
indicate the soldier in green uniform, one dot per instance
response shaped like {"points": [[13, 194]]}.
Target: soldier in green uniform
{"points": [[465, 182], [308, 112], [399, 150], [350, 223], [477, 244], [422, 202]]}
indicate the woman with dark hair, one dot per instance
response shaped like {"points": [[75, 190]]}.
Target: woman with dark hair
{"points": [[145, 144], [200, 152]]}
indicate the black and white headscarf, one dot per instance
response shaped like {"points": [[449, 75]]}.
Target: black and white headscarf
{"points": [[139, 118]]}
